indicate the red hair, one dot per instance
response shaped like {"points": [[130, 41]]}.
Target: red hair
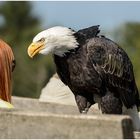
{"points": [[6, 60]]}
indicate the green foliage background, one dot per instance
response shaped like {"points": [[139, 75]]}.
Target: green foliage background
{"points": [[18, 29]]}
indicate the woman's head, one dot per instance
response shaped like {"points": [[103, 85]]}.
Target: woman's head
{"points": [[7, 64]]}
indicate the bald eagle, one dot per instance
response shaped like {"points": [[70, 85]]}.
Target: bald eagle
{"points": [[94, 67]]}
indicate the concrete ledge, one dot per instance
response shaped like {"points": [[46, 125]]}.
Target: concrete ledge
{"points": [[26, 124], [29, 104], [137, 135], [37, 106]]}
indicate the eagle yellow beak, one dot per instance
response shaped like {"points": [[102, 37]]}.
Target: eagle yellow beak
{"points": [[35, 48]]}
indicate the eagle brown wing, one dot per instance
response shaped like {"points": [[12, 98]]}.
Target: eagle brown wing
{"points": [[115, 69]]}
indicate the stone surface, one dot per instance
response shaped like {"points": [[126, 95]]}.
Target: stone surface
{"points": [[137, 135], [29, 124], [36, 105], [56, 92]]}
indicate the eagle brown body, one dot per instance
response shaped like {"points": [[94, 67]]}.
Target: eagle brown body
{"points": [[98, 68], [95, 69]]}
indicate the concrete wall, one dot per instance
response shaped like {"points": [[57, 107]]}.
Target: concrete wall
{"points": [[24, 124], [32, 119], [36, 105]]}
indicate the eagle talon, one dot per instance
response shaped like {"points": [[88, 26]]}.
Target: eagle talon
{"points": [[85, 111]]}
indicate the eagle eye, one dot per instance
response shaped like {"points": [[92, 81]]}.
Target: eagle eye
{"points": [[41, 40]]}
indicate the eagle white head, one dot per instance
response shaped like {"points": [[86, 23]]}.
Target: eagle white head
{"points": [[57, 40]]}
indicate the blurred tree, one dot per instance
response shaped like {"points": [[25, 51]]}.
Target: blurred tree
{"points": [[128, 36], [18, 29]]}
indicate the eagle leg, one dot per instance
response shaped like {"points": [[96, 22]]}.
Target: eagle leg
{"points": [[111, 104], [83, 103]]}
